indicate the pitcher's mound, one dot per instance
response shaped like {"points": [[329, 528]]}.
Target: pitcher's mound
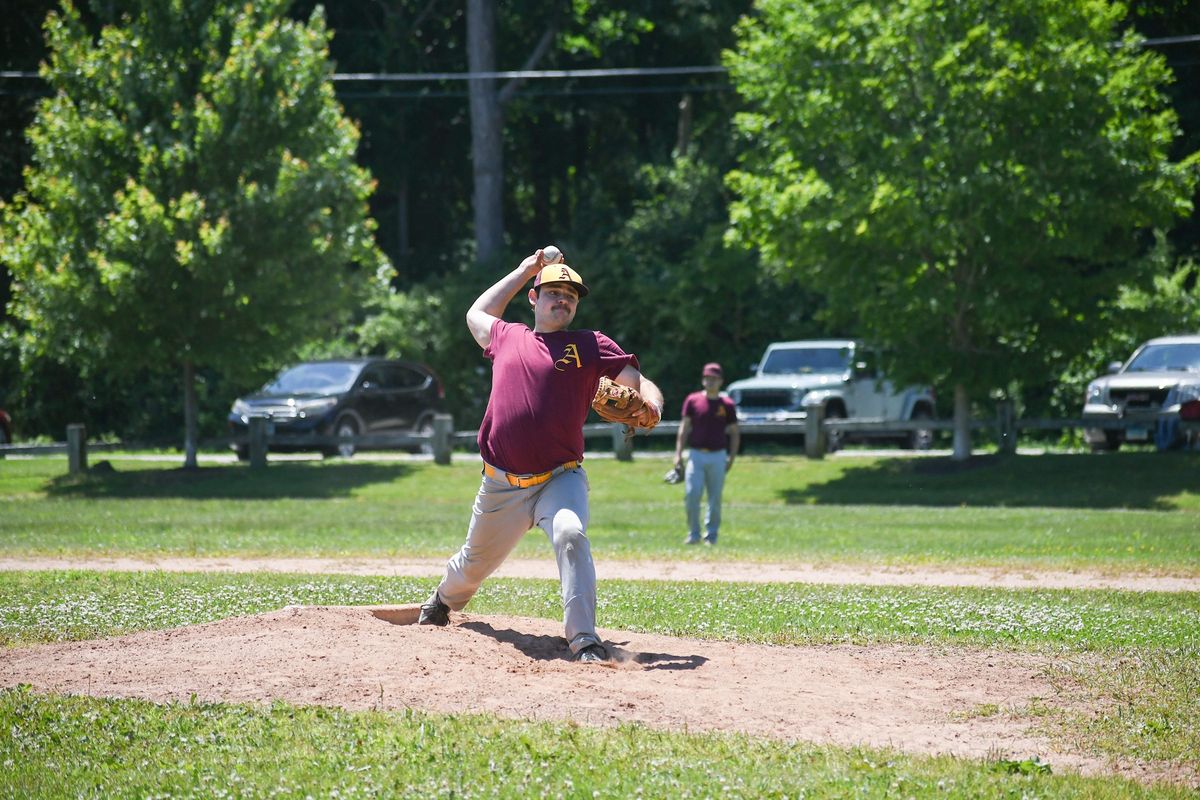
{"points": [[912, 698]]}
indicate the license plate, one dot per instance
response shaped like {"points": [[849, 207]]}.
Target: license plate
{"points": [[1137, 434]]}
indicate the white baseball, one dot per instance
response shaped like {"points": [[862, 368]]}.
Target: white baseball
{"points": [[551, 254]]}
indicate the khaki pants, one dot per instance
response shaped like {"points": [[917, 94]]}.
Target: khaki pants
{"points": [[502, 514]]}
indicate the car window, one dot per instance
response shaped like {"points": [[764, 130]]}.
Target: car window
{"points": [[866, 364], [1184, 357], [375, 377], [331, 377], [405, 377], [807, 360]]}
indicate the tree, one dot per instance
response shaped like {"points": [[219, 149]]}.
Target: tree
{"points": [[193, 197], [969, 183], [669, 289]]}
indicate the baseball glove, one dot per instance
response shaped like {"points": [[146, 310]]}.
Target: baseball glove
{"points": [[617, 403]]}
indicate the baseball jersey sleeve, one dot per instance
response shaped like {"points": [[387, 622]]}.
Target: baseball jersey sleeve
{"points": [[612, 358]]}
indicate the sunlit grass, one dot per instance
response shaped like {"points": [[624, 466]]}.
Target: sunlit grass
{"points": [[1132, 656], [56, 606], [777, 509], [72, 747]]}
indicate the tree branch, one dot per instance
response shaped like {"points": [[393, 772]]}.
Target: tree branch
{"points": [[510, 88]]}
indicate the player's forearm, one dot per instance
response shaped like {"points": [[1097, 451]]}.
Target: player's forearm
{"points": [[685, 426], [490, 305], [651, 393], [497, 296]]}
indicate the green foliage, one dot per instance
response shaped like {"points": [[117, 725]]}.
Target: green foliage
{"points": [[668, 287], [969, 183], [1169, 305], [193, 196]]}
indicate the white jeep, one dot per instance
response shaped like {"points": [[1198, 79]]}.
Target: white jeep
{"points": [[1144, 396], [841, 376]]}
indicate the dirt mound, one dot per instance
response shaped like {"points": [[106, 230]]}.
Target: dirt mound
{"points": [[911, 698]]}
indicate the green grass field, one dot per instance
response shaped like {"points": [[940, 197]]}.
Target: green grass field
{"points": [[1139, 653], [1128, 512]]}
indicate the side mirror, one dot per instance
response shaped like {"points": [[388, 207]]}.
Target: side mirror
{"points": [[754, 368], [369, 385], [1114, 366]]}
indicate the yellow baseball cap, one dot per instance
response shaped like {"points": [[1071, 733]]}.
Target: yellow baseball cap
{"points": [[560, 273]]}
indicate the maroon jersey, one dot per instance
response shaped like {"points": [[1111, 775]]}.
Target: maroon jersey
{"points": [[709, 417], [542, 390]]}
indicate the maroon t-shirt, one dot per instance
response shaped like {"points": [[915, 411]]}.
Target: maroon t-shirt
{"points": [[542, 390], [709, 420]]}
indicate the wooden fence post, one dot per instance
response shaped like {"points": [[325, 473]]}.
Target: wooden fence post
{"points": [[622, 444], [1006, 427], [258, 442], [76, 449], [443, 429], [814, 431]]}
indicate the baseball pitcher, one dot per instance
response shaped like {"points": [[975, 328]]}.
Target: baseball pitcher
{"points": [[544, 380]]}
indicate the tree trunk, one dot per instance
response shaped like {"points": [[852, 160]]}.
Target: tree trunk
{"points": [[487, 152], [403, 242], [962, 424], [683, 127], [190, 414]]}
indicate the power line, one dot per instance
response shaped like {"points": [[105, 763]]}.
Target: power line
{"points": [[540, 74], [699, 88], [524, 74], [527, 74]]}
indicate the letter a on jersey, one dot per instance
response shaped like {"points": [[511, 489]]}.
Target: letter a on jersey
{"points": [[571, 353]]}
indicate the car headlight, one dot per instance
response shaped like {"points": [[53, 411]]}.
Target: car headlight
{"points": [[735, 395], [240, 408], [798, 396], [1188, 392], [1094, 391]]}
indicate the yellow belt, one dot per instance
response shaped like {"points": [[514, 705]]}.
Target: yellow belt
{"points": [[524, 481]]}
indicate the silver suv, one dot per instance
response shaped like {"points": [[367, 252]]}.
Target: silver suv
{"points": [[840, 375], [1149, 388]]}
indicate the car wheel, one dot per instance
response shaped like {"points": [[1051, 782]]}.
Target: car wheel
{"points": [[346, 426], [921, 438], [424, 427], [1111, 443], [836, 439]]}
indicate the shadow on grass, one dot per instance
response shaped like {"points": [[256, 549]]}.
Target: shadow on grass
{"points": [[232, 482], [1114, 480]]}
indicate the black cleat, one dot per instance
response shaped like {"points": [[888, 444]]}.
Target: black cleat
{"points": [[435, 612], [593, 653]]}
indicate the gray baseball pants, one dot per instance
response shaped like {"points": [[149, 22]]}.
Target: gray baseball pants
{"points": [[705, 471], [502, 514]]}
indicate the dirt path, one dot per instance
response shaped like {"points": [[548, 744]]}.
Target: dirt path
{"points": [[912, 698], [699, 570]]}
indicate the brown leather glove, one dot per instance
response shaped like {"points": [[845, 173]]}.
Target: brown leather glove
{"points": [[617, 403]]}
